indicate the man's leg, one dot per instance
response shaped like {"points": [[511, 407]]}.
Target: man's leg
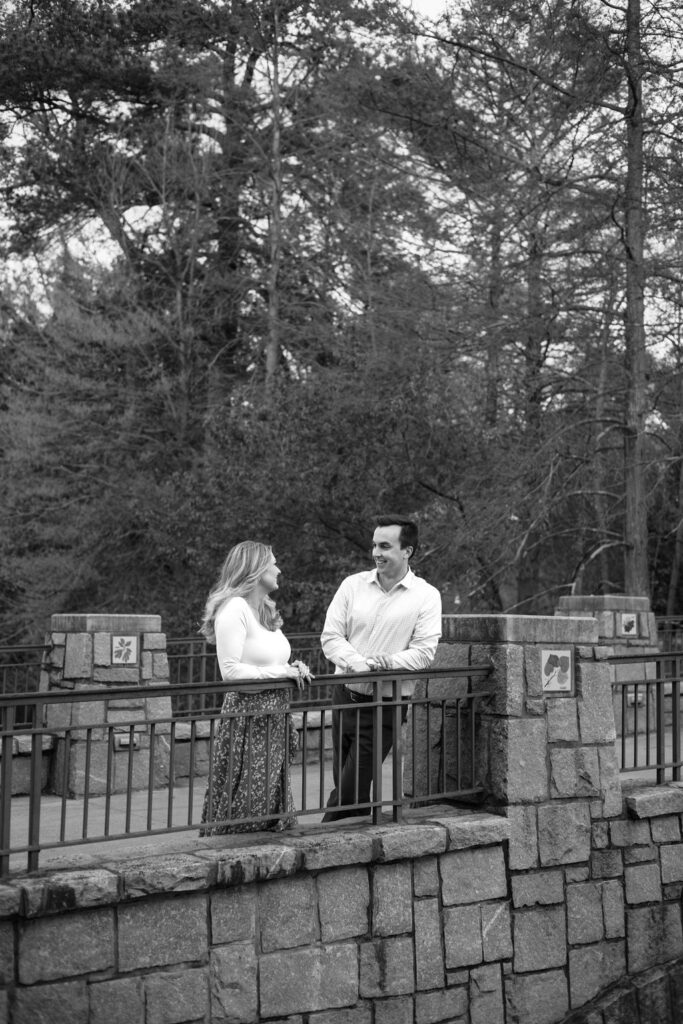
{"points": [[355, 745]]}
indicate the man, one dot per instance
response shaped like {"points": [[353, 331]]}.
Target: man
{"points": [[386, 618]]}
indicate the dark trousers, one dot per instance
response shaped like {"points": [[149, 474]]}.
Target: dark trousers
{"points": [[354, 748]]}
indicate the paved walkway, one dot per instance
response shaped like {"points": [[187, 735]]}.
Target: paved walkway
{"points": [[64, 821]]}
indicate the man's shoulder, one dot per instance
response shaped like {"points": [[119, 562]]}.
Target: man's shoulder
{"points": [[356, 579], [421, 585]]}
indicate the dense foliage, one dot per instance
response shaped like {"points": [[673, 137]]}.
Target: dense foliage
{"points": [[271, 266]]}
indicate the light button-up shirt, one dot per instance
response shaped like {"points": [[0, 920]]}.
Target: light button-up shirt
{"points": [[364, 620]]}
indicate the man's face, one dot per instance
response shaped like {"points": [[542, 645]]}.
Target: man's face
{"points": [[390, 558]]}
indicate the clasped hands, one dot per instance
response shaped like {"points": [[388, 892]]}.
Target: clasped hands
{"points": [[300, 673], [372, 663]]}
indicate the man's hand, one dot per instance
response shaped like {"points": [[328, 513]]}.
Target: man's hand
{"points": [[380, 661]]}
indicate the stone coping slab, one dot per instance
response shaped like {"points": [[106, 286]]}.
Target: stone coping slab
{"points": [[654, 801], [551, 629], [76, 622], [602, 603], [210, 862]]}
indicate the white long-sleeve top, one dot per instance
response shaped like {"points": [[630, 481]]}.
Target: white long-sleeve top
{"points": [[363, 619], [246, 649]]}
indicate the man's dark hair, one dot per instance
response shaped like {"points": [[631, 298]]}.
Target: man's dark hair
{"points": [[408, 535]]}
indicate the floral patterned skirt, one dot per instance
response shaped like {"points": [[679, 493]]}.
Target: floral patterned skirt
{"points": [[250, 769]]}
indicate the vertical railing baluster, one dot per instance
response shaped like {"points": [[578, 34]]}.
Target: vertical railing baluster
{"points": [[676, 718], [397, 748], [35, 789], [6, 796], [660, 726], [376, 752]]}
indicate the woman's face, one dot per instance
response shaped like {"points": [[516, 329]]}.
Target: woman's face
{"points": [[270, 575]]}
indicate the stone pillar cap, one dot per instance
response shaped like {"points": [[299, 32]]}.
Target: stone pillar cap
{"points": [[85, 622], [603, 603]]}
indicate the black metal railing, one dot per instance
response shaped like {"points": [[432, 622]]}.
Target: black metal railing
{"points": [[20, 668], [647, 711], [137, 777], [192, 662]]}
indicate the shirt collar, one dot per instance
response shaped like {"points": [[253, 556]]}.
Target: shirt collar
{"points": [[406, 582]]}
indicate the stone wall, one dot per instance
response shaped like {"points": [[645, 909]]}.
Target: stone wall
{"points": [[558, 900], [419, 922]]}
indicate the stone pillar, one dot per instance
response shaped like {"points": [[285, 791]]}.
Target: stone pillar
{"points": [[545, 742], [99, 652], [625, 626]]}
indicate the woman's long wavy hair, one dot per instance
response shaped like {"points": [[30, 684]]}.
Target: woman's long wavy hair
{"points": [[241, 571]]}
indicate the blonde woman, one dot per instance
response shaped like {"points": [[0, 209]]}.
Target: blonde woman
{"points": [[249, 775]]}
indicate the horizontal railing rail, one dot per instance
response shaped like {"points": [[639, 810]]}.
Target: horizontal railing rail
{"points": [[129, 770], [647, 708]]}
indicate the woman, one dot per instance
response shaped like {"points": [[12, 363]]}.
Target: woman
{"points": [[249, 775]]}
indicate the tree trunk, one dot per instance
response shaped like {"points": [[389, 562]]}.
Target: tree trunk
{"points": [[636, 576], [273, 343]]}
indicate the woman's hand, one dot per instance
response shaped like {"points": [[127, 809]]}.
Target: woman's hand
{"points": [[300, 673]]}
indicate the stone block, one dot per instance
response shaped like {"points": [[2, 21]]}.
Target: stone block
{"points": [[523, 837], [402, 842], [392, 899], [288, 913], [539, 937], [233, 985], [624, 832], [655, 801], [564, 832], [596, 714], [101, 649], [477, 829], [253, 863], [585, 922], [449, 1004], [174, 998], [613, 910], [496, 931], [652, 992], [654, 936], [113, 674], [639, 854], [6, 953], [643, 884], [386, 968], [538, 888], [594, 968], [671, 857], [536, 998], [78, 656], [462, 936], [563, 724], [666, 829], [429, 961], [398, 1010], [233, 914], [517, 760], [486, 995], [426, 880], [55, 948], [333, 850], [610, 783], [120, 1001], [574, 772], [48, 1004], [343, 903], [70, 890], [507, 678], [607, 864], [164, 932], [154, 642], [469, 876]]}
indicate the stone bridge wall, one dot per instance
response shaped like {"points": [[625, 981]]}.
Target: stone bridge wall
{"points": [[558, 900]]}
